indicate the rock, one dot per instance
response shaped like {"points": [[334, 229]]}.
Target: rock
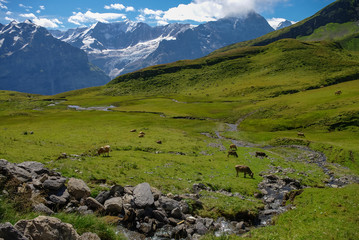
{"points": [[208, 222], [93, 204], [142, 195], [8, 232], [54, 183], [41, 208], [191, 219], [57, 200], [89, 236], [117, 191], [240, 225], [145, 228], [156, 193], [184, 207], [103, 196], [10, 169], [34, 167], [46, 228], [179, 232], [84, 210], [160, 216], [129, 189], [177, 213], [201, 228], [78, 188], [127, 199], [168, 204], [114, 205]]}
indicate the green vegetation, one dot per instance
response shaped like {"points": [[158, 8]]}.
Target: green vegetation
{"points": [[270, 92]]}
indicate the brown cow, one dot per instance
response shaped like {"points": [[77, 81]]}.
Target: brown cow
{"points": [[300, 134], [244, 169], [338, 92], [233, 153], [261, 154], [103, 150], [233, 146]]}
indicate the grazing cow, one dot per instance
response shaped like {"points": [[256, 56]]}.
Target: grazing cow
{"points": [[244, 169], [159, 142], [300, 134], [103, 150], [261, 154], [233, 146], [338, 92], [233, 153], [133, 130], [141, 135]]}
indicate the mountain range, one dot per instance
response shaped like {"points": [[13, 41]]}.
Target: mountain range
{"points": [[33, 61], [123, 47]]}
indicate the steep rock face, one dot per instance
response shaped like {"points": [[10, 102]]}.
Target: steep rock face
{"points": [[33, 61], [202, 40], [111, 46], [123, 47]]}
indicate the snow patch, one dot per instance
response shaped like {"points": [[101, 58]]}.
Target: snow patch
{"points": [[2, 42]]}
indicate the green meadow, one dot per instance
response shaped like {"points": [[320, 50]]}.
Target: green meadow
{"points": [[271, 92]]}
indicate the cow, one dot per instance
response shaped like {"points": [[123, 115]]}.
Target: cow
{"points": [[233, 146], [233, 153], [338, 92], [133, 130], [103, 150], [261, 154], [244, 169], [300, 134]]}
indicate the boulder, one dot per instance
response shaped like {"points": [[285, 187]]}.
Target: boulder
{"points": [[54, 183], [7, 231], [46, 228], [168, 204], [142, 195], [114, 205], [177, 213], [103, 196], [10, 169], [41, 208], [78, 188], [201, 228], [93, 204], [34, 167]]}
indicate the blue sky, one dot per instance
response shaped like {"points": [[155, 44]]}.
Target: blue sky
{"points": [[66, 14]]}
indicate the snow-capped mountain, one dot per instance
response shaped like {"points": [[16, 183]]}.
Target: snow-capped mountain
{"points": [[33, 61], [279, 23], [122, 47], [111, 46]]}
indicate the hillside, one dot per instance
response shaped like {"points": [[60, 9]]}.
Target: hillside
{"points": [[339, 12]]}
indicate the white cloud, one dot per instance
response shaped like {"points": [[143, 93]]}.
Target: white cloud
{"points": [[42, 7], [38, 11], [116, 6], [44, 22], [210, 10], [23, 6], [274, 22], [3, 6], [80, 18], [8, 13], [9, 19]]}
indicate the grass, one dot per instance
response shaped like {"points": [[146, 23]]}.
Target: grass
{"points": [[276, 91]]}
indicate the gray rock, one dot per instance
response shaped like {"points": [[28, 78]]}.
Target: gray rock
{"points": [[156, 193], [41, 208], [179, 232], [145, 227], [116, 191], [94, 204], [89, 236], [8, 232], [103, 196], [184, 207], [78, 188], [201, 228], [168, 204], [46, 228], [11, 169], [34, 167], [160, 216], [177, 213], [57, 200], [142, 195], [114, 205], [54, 183]]}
